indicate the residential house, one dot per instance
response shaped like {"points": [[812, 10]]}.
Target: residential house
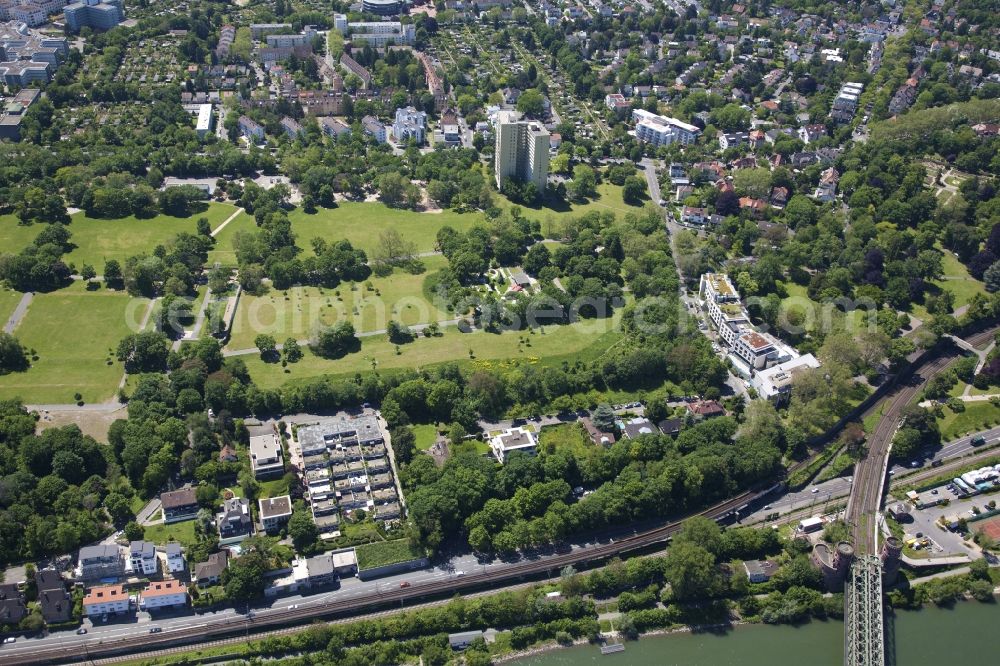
{"points": [[142, 558], [333, 127], [52, 596], [812, 133], [234, 522], [511, 440], [826, 191], [670, 427], [104, 561], [731, 139], [210, 571], [175, 558], [779, 197], [251, 129], [755, 206], [275, 512], [693, 215], [705, 409], [292, 127], [596, 435], [106, 600], [179, 505], [265, 455], [12, 608], [168, 593], [756, 139], [637, 427], [374, 128]]}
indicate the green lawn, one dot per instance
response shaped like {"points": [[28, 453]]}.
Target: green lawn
{"points": [[956, 279], [550, 344], [273, 488], [567, 437], [372, 555], [977, 416], [182, 532], [97, 240], [363, 223], [223, 252], [14, 236], [426, 435], [75, 333], [797, 301], [297, 311], [609, 198]]}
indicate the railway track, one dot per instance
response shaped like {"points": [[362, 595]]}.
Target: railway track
{"points": [[271, 621], [869, 478]]}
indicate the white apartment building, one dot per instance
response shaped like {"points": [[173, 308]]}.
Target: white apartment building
{"points": [[284, 41], [163, 594], [142, 557], [410, 124], [376, 33], [105, 600], [175, 558], [265, 456], [522, 150], [511, 440], [775, 383], [662, 130]]}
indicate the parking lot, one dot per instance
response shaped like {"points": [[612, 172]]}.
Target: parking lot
{"points": [[944, 542]]}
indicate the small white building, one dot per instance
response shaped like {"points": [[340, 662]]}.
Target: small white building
{"points": [[511, 440], [265, 456], [175, 558]]}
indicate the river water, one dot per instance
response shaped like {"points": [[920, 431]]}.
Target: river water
{"points": [[932, 636]]}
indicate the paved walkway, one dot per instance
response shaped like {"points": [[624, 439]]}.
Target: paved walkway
{"points": [[18, 314], [215, 232]]}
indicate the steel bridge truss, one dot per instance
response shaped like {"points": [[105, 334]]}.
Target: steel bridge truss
{"points": [[864, 620]]}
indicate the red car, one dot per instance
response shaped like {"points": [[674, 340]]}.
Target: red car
{"points": [[405, 583]]}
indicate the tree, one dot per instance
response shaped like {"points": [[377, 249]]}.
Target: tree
{"points": [[690, 570], [267, 346], [531, 103], [113, 274], [634, 190], [398, 333], [335, 341], [604, 418], [291, 350], [393, 250], [391, 188], [88, 273], [144, 352], [302, 530], [243, 579], [584, 183], [12, 355], [134, 531], [992, 278]]}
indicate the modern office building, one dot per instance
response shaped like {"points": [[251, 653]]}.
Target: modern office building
{"points": [[96, 14], [410, 124], [522, 150]]}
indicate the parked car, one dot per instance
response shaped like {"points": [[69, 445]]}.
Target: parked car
{"points": [[81, 631]]}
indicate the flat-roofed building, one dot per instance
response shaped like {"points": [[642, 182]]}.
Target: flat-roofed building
{"points": [[103, 561], [775, 383], [522, 150], [511, 440], [206, 120], [662, 130], [142, 557], [266, 458]]}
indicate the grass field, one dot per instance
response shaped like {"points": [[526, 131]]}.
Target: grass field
{"points": [[273, 488], [977, 416], [363, 223], [297, 311], [182, 532], [372, 555], [954, 278], [609, 198], [75, 333], [97, 240], [223, 252], [426, 435], [567, 437], [551, 344], [14, 236]]}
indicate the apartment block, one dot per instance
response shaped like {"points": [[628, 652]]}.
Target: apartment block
{"points": [[662, 130], [522, 150]]}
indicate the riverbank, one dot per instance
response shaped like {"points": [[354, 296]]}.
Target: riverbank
{"points": [[930, 636]]}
